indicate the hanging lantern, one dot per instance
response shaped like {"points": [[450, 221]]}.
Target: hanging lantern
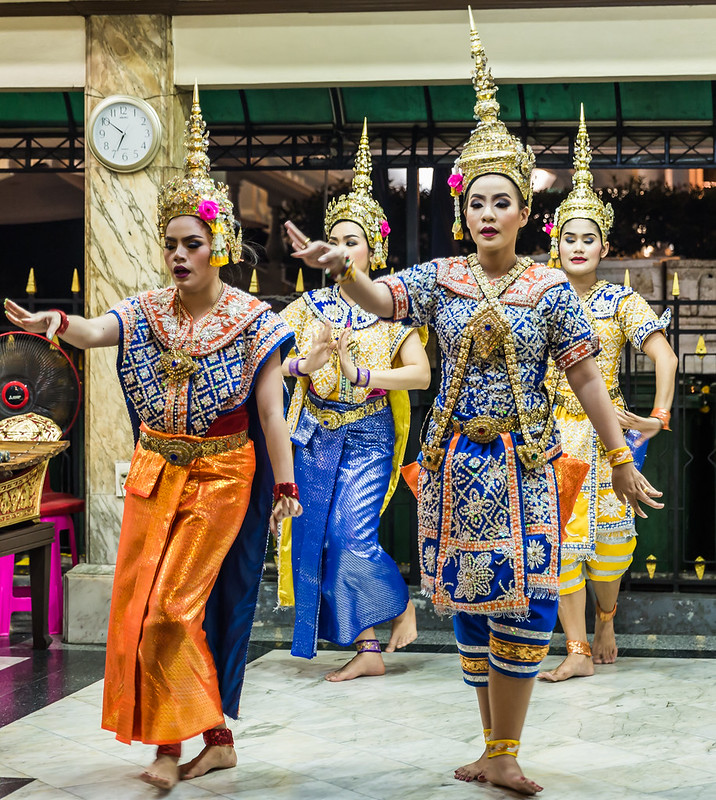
{"points": [[700, 567], [651, 565]]}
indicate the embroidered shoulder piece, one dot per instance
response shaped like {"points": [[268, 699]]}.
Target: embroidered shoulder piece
{"points": [[328, 306], [234, 312], [455, 274], [604, 302]]}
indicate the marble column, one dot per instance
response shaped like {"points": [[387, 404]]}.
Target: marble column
{"points": [[132, 55]]}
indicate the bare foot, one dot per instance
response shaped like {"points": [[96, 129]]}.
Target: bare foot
{"points": [[361, 665], [475, 771], [505, 771], [211, 757], [404, 630], [163, 773], [604, 646], [574, 666]]}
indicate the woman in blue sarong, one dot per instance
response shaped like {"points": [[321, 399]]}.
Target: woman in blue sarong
{"points": [[350, 417], [488, 508]]}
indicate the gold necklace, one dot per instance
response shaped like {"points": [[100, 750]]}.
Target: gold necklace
{"points": [[177, 363]]}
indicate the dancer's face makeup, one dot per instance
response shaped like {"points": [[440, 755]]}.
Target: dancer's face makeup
{"points": [[187, 249], [580, 247], [351, 236], [494, 212]]}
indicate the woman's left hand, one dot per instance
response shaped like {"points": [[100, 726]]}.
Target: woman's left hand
{"points": [[647, 426], [284, 508], [348, 368]]}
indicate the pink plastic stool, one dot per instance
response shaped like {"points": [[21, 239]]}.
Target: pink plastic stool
{"points": [[18, 599]]}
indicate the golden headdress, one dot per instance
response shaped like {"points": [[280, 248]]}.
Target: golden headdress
{"points": [[359, 206], [582, 202], [491, 149], [195, 194]]}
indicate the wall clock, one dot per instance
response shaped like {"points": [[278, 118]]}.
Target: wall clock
{"points": [[124, 133]]}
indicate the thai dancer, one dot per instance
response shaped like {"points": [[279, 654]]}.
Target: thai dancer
{"points": [[350, 417], [200, 366], [488, 512], [600, 537]]}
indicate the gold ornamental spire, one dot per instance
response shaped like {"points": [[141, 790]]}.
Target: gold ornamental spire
{"points": [[196, 140], [487, 109], [362, 183], [359, 205], [582, 202]]}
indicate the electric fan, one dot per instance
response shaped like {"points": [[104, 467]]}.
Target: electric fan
{"points": [[37, 376]]}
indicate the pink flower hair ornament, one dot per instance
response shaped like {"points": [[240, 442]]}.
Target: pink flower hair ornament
{"points": [[548, 228], [456, 184], [208, 210], [384, 228]]}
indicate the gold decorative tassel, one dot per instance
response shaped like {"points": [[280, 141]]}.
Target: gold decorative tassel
{"points": [[651, 565], [299, 281], [700, 567], [31, 287], [75, 288], [457, 230], [254, 285]]}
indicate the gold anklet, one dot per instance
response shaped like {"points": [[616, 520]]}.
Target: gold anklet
{"points": [[578, 648], [503, 747], [486, 733], [605, 616]]}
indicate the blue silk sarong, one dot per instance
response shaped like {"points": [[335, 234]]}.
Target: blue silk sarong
{"points": [[344, 581]]}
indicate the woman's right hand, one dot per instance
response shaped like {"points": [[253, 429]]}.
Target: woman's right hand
{"points": [[322, 348], [315, 253], [44, 322], [631, 487]]}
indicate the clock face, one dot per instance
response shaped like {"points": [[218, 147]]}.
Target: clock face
{"points": [[124, 133]]}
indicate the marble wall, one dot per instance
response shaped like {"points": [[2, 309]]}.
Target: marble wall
{"points": [[133, 55]]}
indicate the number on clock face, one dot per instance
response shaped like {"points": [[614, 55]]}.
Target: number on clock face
{"points": [[124, 135]]}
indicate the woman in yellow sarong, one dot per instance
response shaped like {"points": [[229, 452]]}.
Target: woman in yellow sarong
{"points": [[600, 537], [200, 367]]}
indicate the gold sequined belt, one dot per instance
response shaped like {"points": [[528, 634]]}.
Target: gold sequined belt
{"points": [[572, 406], [181, 453], [483, 428], [330, 419]]}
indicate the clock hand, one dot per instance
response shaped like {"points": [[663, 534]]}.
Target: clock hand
{"points": [[119, 143], [116, 128]]}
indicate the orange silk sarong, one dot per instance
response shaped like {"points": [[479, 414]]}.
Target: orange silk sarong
{"points": [[179, 523]]}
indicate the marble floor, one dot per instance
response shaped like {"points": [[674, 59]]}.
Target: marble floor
{"points": [[643, 728]]}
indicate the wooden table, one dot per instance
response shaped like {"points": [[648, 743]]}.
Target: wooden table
{"points": [[35, 538]]}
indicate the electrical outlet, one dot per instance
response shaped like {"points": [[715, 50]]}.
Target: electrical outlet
{"points": [[121, 469]]}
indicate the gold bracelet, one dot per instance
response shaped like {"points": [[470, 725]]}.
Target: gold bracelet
{"points": [[664, 417], [620, 455]]}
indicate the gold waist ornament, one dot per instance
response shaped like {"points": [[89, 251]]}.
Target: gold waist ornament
{"points": [[331, 420], [572, 406], [483, 428], [181, 453]]}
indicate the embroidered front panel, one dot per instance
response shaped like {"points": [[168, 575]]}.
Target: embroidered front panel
{"points": [[222, 381], [374, 342]]}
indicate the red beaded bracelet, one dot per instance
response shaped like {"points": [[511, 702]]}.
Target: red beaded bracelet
{"points": [[285, 490], [64, 321]]}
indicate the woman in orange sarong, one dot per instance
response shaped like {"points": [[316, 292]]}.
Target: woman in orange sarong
{"points": [[200, 367]]}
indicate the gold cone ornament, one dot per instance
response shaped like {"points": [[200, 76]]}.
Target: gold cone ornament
{"points": [[651, 565], [491, 148], [675, 290], [360, 207], [299, 282], [701, 350], [700, 567], [195, 194], [31, 287], [254, 283], [582, 202], [627, 280], [75, 288]]}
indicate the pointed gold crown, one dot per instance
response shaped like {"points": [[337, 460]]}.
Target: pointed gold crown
{"points": [[582, 202], [491, 148], [359, 206], [195, 194]]}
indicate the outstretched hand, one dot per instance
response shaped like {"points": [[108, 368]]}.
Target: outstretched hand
{"points": [[322, 348], [44, 322], [285, 507], [317, 254], [631, 487], [348, 368]]}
